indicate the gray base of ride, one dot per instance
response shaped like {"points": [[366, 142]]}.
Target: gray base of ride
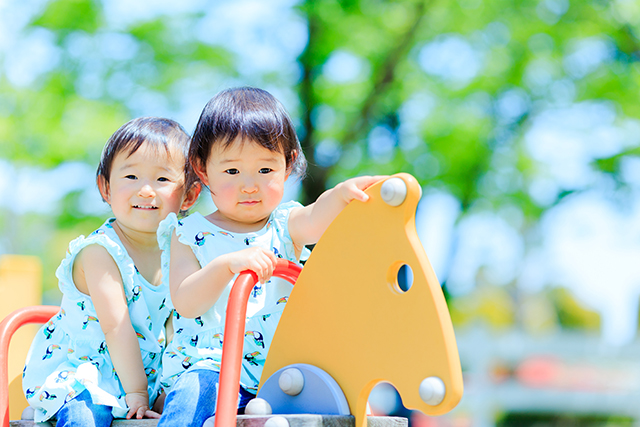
{"points": [[297, 420]]}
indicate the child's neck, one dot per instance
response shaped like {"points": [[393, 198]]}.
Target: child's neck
{"points": [[235, 226], [141, 240], [143, 249]]}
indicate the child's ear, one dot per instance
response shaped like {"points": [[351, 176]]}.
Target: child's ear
{"points": [[191, 196], [103, 187], [293, 156], [201, 171]]}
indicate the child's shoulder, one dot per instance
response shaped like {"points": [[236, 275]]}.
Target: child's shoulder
{"points": [[287, 206], [282, 212], [172, 221], [187, 226], [93, 252], [92, 260], [103, 242], [191, 219], [100, 248], [104, 236]]}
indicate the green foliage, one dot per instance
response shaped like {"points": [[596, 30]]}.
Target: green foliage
{"points": [[571, 314], [57, 125], [450, 132], [66, 16]]}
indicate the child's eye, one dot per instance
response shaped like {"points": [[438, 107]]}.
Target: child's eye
{"points": [[131, 177], [266, 170], [232, 171], [163, 179]]}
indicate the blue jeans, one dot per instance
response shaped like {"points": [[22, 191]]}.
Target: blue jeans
{"points": [[192, 399], [82, 412]]}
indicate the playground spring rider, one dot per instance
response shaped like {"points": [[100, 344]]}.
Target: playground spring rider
{"points": [[347, 325]]}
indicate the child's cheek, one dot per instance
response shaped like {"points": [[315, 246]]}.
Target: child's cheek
{"points": [[175, 196], [274, 190], [228, 190]]}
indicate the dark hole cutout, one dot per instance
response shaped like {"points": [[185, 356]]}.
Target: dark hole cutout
{"points": [[405, 278]]}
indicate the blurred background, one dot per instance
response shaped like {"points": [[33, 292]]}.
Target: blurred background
{"points": [[520, 119]]}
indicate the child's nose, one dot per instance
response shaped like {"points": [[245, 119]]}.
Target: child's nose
{"points": [[147, 190], [250, 186]]}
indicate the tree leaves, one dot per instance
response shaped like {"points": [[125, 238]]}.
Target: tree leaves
{"points": [[446, 90], [65, 16]]}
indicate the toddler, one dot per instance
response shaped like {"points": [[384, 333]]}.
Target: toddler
{"points": [[244, 148], [100, 356]]}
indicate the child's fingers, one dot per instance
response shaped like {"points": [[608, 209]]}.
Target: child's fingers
{"points": [[257, 259], [368, 181], [273, 259], [362, 183], [267, 262], [131, 412], [151, 414], [354, 192], [267, 266], [138, 412], [360, 195], [141, 411]]}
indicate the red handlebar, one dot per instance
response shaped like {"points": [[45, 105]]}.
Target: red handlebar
{"points": [[227, 406], [10, 324]]}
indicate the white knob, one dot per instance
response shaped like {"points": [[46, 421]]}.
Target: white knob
{"points": [[432, 391], [291, 381], [276, 422], [393, 191], [258, 406]]}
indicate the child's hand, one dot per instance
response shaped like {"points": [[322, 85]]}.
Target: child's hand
{"points": [[308, 223], [138, 404], [353, 189], [259, 260], [150, 413]]}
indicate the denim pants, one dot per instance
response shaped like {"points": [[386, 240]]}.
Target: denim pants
{"points": [[192, 399], [82, 412]]}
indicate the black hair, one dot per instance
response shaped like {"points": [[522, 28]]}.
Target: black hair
{"points": [[158, 133], [252, 114]]}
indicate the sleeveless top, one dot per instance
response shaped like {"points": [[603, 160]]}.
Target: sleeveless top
{"points": [[197, 343], [69, 353]]}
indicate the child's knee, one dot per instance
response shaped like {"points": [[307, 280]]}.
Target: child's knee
{"points": [[81, 411]]}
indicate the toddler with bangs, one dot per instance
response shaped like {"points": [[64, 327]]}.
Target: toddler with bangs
{"points": [[99, 357], [243, 149]]}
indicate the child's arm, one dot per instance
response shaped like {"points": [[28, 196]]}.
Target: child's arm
{"points": [[102, 281], [194, 290], [307, 224]]}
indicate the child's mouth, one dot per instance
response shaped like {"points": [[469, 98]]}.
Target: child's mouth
{"points": [[145, 207]]}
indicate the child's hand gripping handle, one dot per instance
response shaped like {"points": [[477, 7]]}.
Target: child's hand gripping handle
{"points": [[226, 408]]}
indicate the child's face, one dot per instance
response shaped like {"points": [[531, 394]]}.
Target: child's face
{"points": [[145, 187], [246, 182]]}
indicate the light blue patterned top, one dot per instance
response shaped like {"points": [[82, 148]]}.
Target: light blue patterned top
{"points": [[69, 353], [197, 343]]}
